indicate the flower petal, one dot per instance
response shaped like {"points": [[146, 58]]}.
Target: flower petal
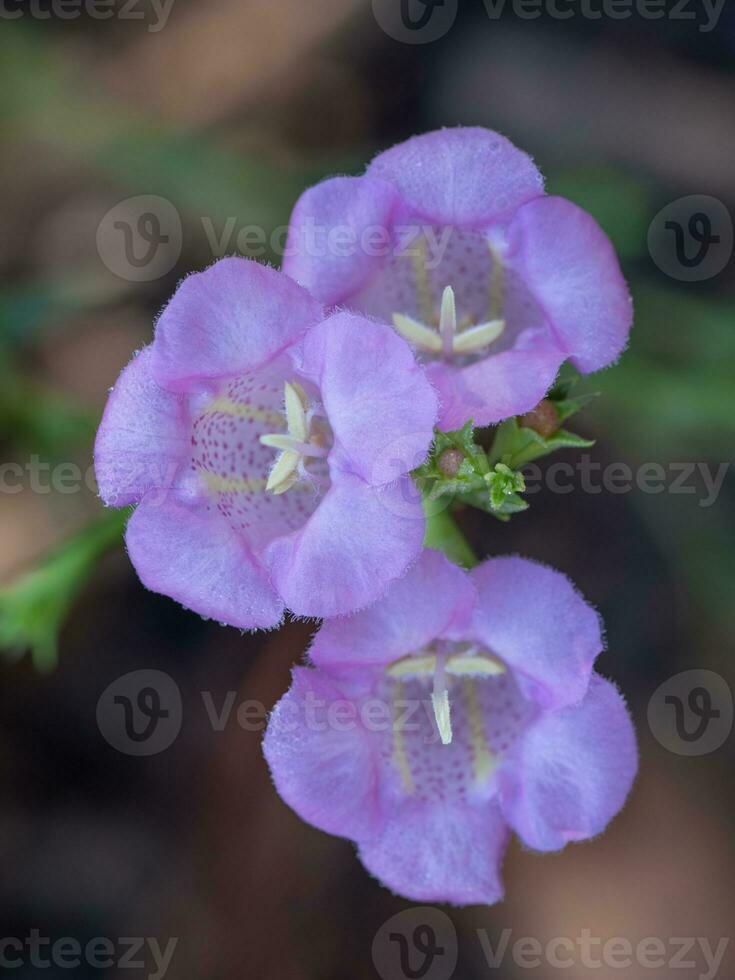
{"points": [[321, 759], [379, 404], [358, 541], [228, 320], [449, 852], [143, 437], [571, 267], [496, 387], [571, 772], [433, 597], [534, 620], [190, 554], [466, 176], [339, 234]]}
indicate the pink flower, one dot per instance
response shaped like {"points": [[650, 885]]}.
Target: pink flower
{"points": [[455, 710], [450, 237], [252, 434]]}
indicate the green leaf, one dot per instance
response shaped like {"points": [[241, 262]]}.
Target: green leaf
{"points": [[34, 607], [516, 446]]}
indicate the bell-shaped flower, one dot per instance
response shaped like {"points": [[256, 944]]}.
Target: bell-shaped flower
{"points": [[458, 708], [451, 238], [253, 435]]}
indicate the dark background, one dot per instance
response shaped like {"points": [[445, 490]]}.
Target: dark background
{"points": [[229, 111]]}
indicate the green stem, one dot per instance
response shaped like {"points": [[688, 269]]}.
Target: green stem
{"points": [[443, 534]]}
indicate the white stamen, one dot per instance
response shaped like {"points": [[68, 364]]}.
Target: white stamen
{"points": [[448, 321], [417, 334], [294, 446], [440, 700], [477, 337], [296, 404], [284, 474], [289, 444]]}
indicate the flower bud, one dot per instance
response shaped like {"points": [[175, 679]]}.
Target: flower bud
{"points": [[543, 419], [450, 461]]}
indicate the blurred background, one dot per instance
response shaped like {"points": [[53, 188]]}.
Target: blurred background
{"points": [[227, 110]]}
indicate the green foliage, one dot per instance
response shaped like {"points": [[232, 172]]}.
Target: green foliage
{"points": [[34, 607]]}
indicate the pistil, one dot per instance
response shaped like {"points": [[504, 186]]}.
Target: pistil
{"points": [[448, 340]]}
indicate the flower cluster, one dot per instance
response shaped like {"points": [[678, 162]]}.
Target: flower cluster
{"points": [[277, 438]]}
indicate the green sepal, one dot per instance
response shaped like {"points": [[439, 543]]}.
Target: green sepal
{"points": [[516, 446]]}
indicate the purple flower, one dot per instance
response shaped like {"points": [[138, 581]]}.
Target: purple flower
{"points": [[451, 237], [253, 436], [456, 709]]}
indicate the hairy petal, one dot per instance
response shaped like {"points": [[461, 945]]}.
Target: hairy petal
{"points": [[533, 618], [230, 319], [433, 598], [358, 541], [568, 776], [496, 387], [338, 235], [464, 176], [143, 437], [571, 267], [380, 406], [324, 771], [190, 554], [448, 852]]}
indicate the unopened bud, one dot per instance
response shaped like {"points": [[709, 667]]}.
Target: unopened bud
{"points": [[543, 419], [450, 461]]}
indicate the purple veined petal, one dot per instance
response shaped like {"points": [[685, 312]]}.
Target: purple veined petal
{"points": [[358, 541], [570, 266], [230, 319], [339, 233], [322, 763], [449, 852], [378, 402], [186, 551], [142, 440], [532, 618], [495, 388], [571, 772], [463, 176], [433, 598]]}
